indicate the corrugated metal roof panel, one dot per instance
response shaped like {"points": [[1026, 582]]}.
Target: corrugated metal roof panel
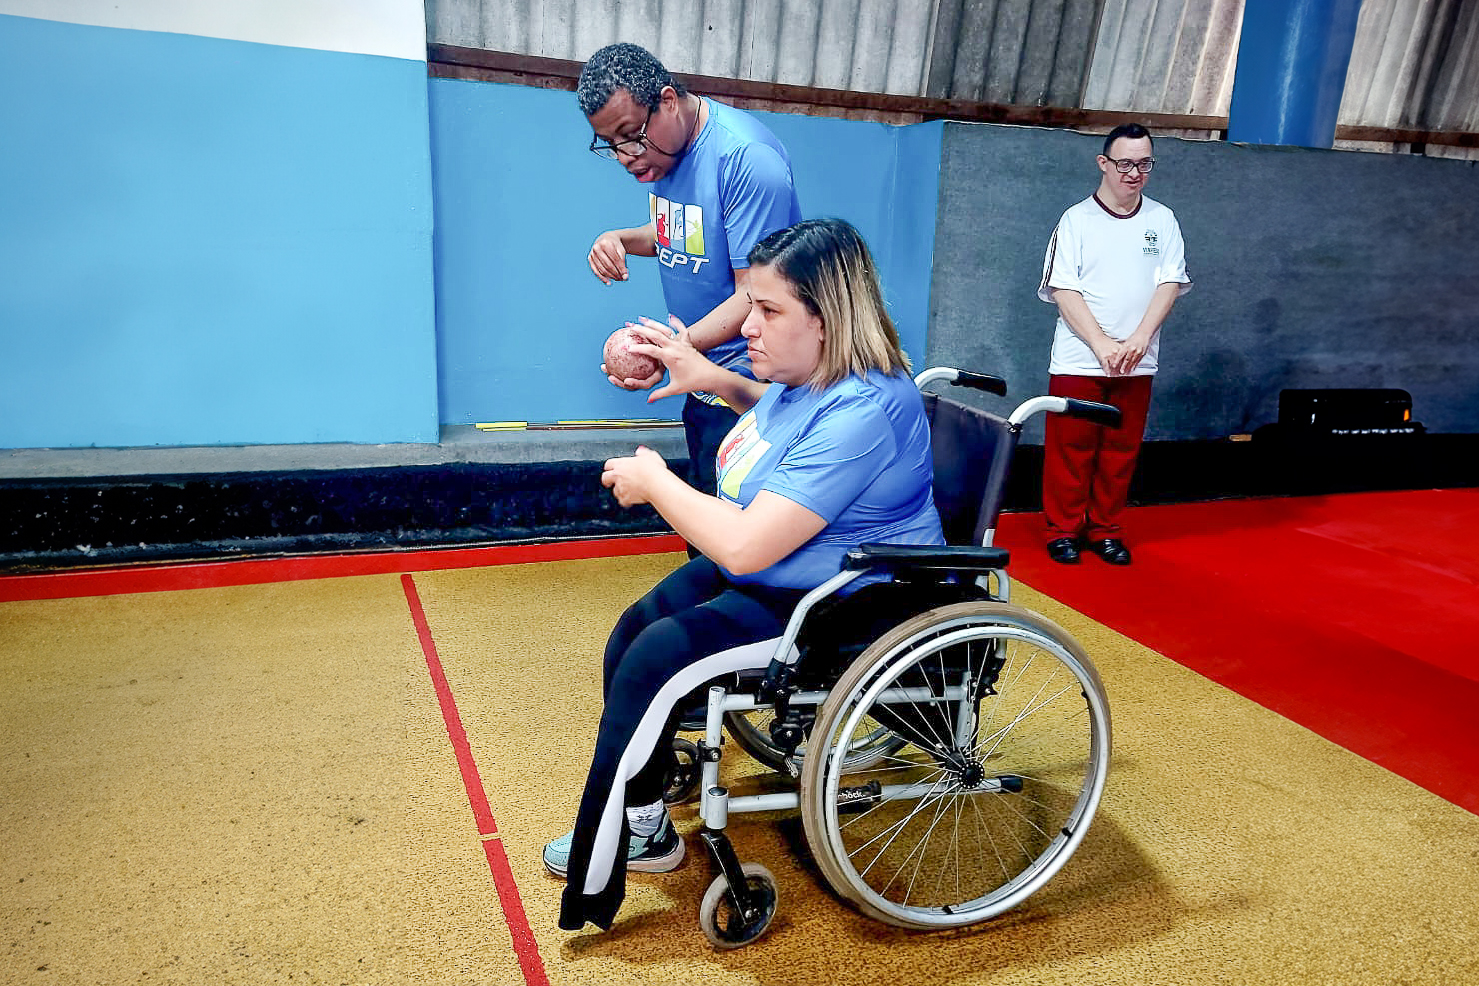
{"points": [[1415, 64], [1032, 52], [1165, 56], [1021, 52]]}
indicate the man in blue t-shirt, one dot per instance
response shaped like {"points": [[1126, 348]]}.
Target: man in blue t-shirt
{"points": [[720, 183]]}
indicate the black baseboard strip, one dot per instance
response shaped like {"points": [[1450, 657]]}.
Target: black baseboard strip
{"points": [[51, 524]]}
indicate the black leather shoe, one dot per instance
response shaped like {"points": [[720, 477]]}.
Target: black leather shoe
{"points": [[1112, 550], [1064, 551]]}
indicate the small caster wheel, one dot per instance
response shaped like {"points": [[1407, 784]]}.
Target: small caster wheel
{"points": [[723, 924], [682, 780]]}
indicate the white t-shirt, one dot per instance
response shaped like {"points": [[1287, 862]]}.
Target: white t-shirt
{"points": [[1116, 262]]}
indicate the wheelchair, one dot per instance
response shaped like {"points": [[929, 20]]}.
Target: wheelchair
{"points": [[948, 749]]}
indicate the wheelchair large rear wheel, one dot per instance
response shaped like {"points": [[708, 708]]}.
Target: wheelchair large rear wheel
{"points": [[1004, 737]]}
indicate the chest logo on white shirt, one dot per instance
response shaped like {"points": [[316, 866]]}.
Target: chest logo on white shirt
{"points": [[1150, 249]]}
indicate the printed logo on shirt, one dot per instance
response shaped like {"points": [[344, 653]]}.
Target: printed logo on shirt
{"points": [[738, 455], [680, 233], [1150, 249]]}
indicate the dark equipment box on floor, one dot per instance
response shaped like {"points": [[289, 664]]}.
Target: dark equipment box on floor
{"points": [[1348, 411]]}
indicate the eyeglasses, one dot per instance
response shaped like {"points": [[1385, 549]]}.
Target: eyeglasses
{"points": [[631, 146], [1124, 166]]}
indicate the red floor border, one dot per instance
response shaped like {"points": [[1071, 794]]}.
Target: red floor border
{"points": [[257, 571], [1380, 695], [526, 948]]}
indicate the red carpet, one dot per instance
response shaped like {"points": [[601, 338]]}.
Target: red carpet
{"points": [[1356, 616]]}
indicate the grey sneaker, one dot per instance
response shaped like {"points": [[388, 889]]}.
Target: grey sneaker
{"points": [[656, 853]]}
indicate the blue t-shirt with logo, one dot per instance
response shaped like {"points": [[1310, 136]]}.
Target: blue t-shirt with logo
{"points": [[730, 190], [856, 454]]}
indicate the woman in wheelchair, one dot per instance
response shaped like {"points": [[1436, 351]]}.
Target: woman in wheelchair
{"points": [[831, 449]]}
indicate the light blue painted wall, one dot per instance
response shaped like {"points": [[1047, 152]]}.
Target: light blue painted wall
{"points": [[520, 318], [211, 242]]}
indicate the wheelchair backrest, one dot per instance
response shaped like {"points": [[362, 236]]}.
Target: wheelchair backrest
{"points": [[972, 452]]}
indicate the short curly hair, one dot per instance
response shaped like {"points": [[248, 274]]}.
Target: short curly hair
{"points": [[623, 66]]}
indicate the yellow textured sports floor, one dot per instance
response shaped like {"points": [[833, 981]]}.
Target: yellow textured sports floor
{"points": [[255, 785]]}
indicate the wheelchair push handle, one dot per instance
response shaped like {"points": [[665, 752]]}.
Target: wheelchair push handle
{"points": [[981, 381], [1101, 414], [962, 378]]}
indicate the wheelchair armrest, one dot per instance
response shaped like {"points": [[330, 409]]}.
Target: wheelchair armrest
{"points": [[954, 558]]}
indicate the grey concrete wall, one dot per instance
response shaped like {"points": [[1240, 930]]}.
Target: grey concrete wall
{"points": [[1312, 268]]}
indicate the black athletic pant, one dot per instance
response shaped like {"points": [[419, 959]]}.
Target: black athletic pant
{"points": [[693, 627]]}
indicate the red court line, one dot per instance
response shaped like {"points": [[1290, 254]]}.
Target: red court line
{"points": [[525, 947], [257, 571]]}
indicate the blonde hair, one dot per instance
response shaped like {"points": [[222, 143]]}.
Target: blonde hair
{"points": [[831, 271]]}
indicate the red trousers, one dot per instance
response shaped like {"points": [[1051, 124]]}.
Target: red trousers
{"points": [[1087, 467]]}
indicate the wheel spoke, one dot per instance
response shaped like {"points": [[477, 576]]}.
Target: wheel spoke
{"points": [[897, 828], [863, 815], [1001, 805], [918, 852], [982, 825], [1065, 715]]}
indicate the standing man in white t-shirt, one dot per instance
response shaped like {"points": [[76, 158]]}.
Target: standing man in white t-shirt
{"points": [[1114, 267]]}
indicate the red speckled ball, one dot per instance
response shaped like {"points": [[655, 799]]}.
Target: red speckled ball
{"points": [[624, 364]]}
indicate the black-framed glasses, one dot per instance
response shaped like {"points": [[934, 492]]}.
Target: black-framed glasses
{"points": [[1124, 165], [631, 146]]}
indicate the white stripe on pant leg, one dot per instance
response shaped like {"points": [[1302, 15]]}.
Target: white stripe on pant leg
{"points": [[604, 851]]}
